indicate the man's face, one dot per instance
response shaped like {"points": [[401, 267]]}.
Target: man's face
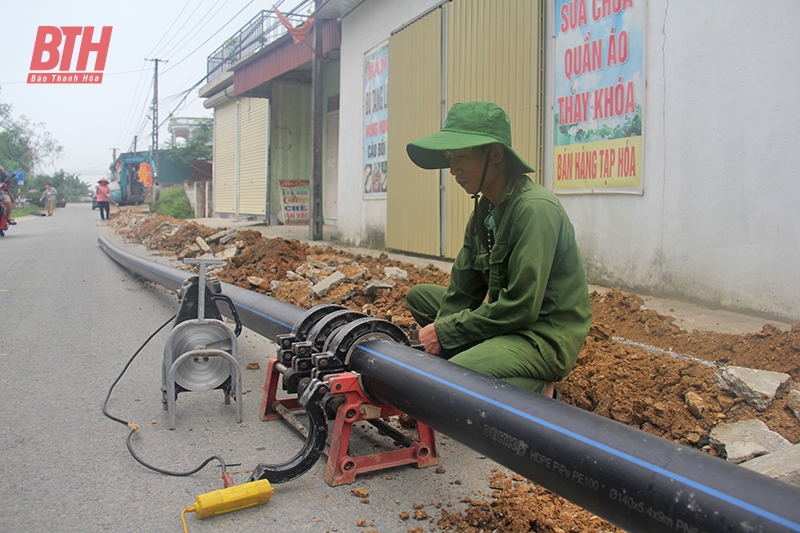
{"points": [[466, 166]]}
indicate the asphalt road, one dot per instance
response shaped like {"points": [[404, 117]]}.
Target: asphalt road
{"points": [[70, 319]]}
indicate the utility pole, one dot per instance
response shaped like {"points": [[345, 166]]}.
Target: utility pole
{"points": [[114, 151], [135, 139], [155, 115], [315, 218]]}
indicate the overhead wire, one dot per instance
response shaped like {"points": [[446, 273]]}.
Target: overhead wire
{"points": [[190, 35], [129, 115], [136, 98], [210, 37], [185, 93], [178, 31], [170, 27], [185, 39], [138, 83], [207, 20]]}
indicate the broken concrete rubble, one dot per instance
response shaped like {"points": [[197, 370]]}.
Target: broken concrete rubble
{"points": [[397, 274], [258, 282], [228, 238], [372, 287], [228, 253], [192, 250], [293, 276], [340, 293], [203, 244], [321, 289], [218, 236], [793, 402], [757, 387], [783, 465], [310, 273], [316, 264], [745, 440], [353, 273]]}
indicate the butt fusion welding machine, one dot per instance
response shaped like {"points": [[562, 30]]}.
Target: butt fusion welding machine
{"points": [[310, 365]]}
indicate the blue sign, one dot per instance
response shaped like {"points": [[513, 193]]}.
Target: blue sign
{"points": [[20, 174]]}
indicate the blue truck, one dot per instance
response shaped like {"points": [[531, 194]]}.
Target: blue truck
{"points": [[126, 187]]}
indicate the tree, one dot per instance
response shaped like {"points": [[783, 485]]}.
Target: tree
{"points": [[68, 185], [25, 145], [198, 146]]}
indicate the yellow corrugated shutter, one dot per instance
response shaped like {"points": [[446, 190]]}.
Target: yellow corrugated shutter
{"points": [[494, 53], [253, 156], [224, 170], [412, 208]]}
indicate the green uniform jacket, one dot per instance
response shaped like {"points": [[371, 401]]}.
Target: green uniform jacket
{"points": [[534, 278]]}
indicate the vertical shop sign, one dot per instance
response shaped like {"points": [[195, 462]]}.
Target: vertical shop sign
{"points": [[294, 201], [599, 96], [376, 114]]}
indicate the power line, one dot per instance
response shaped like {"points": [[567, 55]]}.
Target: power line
{"points": [[210, 37], [184, 41], [187, 92], [130, 109], [177, 32], [171, 25]]}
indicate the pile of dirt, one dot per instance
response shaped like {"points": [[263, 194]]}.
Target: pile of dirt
{"points": [[614, 377], [519, 506]]}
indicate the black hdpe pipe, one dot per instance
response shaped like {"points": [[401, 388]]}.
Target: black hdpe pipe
{"points": [[631, 478], [265, 315], [637, 481]]}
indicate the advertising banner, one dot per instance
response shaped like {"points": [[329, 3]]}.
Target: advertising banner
{"points": [[599, 96], [376, 114], [294, 201]]}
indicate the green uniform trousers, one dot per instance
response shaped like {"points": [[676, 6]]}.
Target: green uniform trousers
{"points": [[511, 358]]}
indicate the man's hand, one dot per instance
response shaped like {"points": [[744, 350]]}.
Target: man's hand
{"points": [[428, 337]]}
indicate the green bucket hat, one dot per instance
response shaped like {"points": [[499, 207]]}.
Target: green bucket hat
{"points": [[468, 124]]}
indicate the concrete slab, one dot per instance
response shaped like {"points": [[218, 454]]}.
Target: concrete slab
{"points": [[745, 440], [757, 387], [783, 465]]}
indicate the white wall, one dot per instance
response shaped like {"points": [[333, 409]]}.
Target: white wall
{"points": [[719, 221], [364, 221]]}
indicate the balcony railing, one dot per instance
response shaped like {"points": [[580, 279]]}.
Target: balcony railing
{"points": [[262, 30]]}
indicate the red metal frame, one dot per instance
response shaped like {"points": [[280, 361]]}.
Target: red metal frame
{"points": [[271, 392], [342, 468]]}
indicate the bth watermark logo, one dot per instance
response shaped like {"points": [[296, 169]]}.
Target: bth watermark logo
{"points": [[55, 47]]}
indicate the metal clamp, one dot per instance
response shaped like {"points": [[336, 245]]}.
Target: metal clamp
{"points": [[312, 401]]}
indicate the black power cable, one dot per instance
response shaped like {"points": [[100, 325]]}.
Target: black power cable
{"points": [[134, 428]]}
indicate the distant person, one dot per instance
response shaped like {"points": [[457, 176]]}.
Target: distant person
{"points": [[10, 181], [49, 198], [103, 196]]}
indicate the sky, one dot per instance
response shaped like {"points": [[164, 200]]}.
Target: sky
{"points": [[90, 120]]}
